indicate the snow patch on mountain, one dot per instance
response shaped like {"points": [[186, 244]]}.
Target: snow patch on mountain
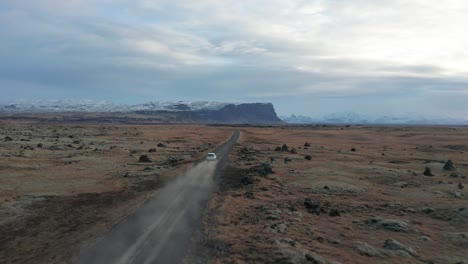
{"points": [[22, 106]]}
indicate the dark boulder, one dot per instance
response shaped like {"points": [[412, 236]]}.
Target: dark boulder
{"points": [[262, 170], [334, 212], [312, 207], [428, 172], [245, 150], [314, 259], [308, 157], [144, 158], [449, 166], [246, 180], [174, 160], [401, 250]]}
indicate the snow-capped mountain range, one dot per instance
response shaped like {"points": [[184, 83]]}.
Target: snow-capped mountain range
{"points": [[104, 106], [179, 112], [37, 106], [355, 118]]}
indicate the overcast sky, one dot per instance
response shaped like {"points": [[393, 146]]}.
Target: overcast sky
{"points": [[307, 57]]}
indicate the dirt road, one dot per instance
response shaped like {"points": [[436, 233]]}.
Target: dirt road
{"points": [[160, 230]]}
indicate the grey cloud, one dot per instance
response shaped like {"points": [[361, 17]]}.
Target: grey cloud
{"points": [[204, 51]]}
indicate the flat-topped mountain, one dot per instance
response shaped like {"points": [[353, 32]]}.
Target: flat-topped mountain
{"points": [[152, 112], [253, 113]]}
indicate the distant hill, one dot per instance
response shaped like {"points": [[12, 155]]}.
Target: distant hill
{"points": [[354, 118], [152, 112]]}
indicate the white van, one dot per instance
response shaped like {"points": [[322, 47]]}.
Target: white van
{"points": [[211, 156]]}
